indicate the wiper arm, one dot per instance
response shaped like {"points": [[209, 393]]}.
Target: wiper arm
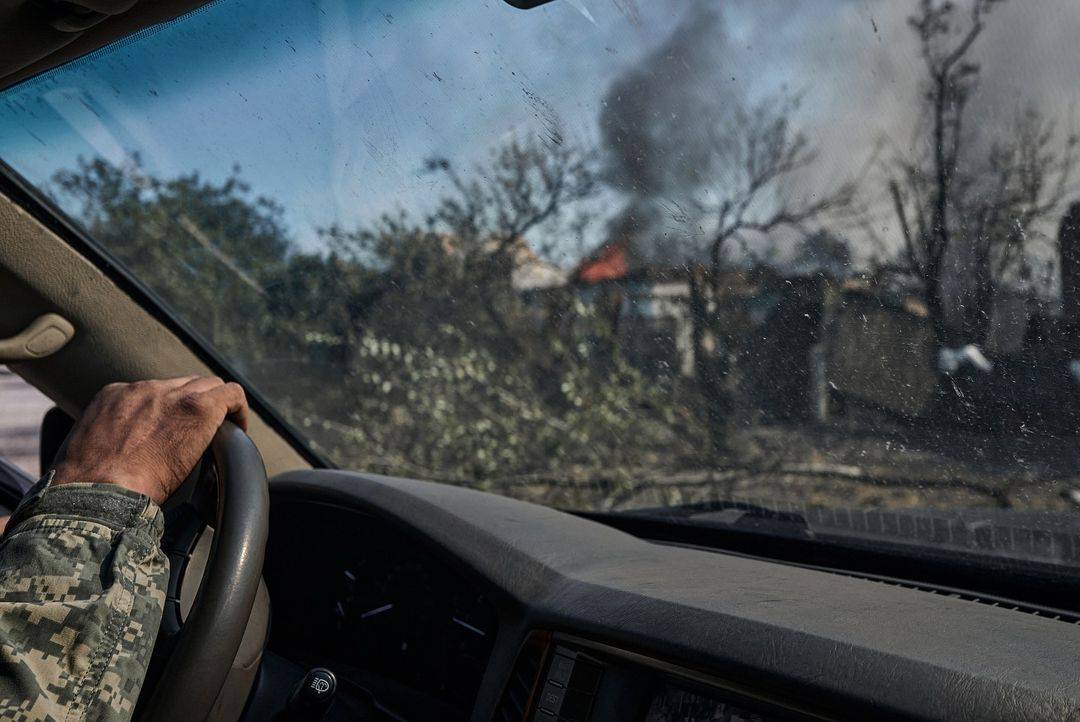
{"points": [[730, 515]]}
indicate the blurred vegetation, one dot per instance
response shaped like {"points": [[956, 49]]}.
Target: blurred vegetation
{"points": [[404, 348]]}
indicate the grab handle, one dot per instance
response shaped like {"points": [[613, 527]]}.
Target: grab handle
{"points": [[45, 335]]}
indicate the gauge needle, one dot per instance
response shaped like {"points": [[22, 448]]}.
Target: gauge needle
{"points": [[377, 610], [468, 626]]}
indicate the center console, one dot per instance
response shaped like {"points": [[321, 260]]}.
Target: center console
{"points": [[570, 679]]}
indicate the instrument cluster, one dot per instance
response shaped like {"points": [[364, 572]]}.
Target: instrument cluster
{"points": [[405, 616]]}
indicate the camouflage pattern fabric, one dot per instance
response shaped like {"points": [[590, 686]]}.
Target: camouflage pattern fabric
{"points": [[82, 588]]}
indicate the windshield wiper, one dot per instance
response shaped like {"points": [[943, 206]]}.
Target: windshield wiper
{"points": [[729, 515], [982, 551]]}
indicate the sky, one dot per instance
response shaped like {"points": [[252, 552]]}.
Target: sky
{"points": [[331, 106]]}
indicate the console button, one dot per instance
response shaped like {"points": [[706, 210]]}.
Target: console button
{"points": [[551, 699], [315, 690], [560, 670]]}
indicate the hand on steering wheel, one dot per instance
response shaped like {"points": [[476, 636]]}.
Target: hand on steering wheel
{"points": [[147, 437], [196, 646]]}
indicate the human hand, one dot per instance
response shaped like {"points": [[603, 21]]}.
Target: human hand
{"points": [[148, 436]]}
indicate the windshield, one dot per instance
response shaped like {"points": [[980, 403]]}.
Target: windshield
{"points": [[614, 254]]}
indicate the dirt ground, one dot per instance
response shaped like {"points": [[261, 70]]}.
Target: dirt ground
{"points": [[852, 463]]}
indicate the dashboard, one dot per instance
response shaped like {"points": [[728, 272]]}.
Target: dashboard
{"points": [[431, 602], [395, 623], [581, 680]]}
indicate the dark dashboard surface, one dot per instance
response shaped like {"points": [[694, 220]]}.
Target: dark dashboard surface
{"points": [[474, 580], [354, 595]]}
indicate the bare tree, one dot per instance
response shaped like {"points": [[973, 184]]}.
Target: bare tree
{"points": [[759, 153], [526, 184], [985, 212], [464, 250], [922, 189], [1022, 186]]}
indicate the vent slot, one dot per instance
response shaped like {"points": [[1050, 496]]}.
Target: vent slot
{"points": [[1036, 610]]}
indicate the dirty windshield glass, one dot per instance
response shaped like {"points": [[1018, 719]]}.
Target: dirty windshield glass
{"points": [[820, 257]]}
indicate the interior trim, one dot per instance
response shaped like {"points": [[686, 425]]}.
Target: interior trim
{"points": [[49, 215], [852, 648], [116, 339]]}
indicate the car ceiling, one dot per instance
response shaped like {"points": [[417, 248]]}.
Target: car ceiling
{"points": [[41, 34]]}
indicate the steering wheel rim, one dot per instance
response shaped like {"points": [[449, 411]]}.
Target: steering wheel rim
{"points": [[206, 645]]}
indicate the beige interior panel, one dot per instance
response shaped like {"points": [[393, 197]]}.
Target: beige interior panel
{"points": [[115, 339]]}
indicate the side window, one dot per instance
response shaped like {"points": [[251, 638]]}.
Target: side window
{"points": [[22, 408]]}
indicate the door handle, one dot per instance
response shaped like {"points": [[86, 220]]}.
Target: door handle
{"points": [[45, 335]]}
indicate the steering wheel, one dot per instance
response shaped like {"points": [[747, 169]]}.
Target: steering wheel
{"points": [[195, 648]]}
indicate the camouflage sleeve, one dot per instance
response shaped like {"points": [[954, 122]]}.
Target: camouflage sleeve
{"points": [[82, 587]]}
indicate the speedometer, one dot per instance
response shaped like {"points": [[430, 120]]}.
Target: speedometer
{"points": [[404, 616]]}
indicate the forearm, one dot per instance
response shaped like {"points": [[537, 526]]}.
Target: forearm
{"points": [[82, 587]]}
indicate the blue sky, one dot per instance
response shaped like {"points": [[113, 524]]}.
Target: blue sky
{"points": [[331, 106]]}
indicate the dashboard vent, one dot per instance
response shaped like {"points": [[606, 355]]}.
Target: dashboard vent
{"points": [[1026, 608], [524, 679]]}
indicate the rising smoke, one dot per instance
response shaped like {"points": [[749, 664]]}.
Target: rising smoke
{"points": [[655, 128], [855, 63]]}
